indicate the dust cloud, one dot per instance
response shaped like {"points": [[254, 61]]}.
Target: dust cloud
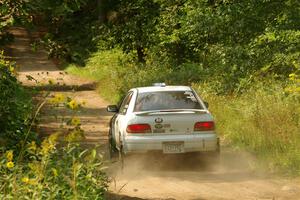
{"points": [[195, 177]]}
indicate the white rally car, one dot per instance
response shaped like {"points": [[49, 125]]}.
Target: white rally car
{"points": [[167, 119]]}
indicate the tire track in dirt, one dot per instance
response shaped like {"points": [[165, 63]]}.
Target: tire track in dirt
{"points": [[36, 70], [186, 178], [147, 177]]}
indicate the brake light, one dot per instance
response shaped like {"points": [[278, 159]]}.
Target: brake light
{"points": [[204, 126], [138, 128]]}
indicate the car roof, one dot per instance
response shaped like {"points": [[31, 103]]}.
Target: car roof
{"points": [[163, 88]]}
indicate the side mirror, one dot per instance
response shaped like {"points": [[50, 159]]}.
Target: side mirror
{"points": [[112, 108], [206, 104]]}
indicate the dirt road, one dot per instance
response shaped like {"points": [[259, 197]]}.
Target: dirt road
{"points": [[150, 177], [193, 179], [44, 74]]}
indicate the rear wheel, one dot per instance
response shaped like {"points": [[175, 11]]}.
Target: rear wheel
{"points": [[122, 156], [112, 150]]}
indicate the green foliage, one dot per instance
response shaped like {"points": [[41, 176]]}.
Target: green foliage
{"points": [[230, 41], [56, 168], [134, 26], [15, 108], [11, 11], [72, 27], [65, 173], [236, 40], [226, 44], [263, 120], [293, 88], [170, 47], [118, 72], [103, 67]]}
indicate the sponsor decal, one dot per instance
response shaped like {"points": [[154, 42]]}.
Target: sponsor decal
{"points": [[158, 126]]}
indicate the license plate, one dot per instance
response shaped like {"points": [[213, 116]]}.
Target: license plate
{"points": [[159, 131], [173, 147]]}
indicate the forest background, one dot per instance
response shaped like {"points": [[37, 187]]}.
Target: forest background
{"points": [[243, 57]]}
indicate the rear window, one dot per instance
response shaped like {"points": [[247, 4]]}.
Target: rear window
{"points": [[166, 100]]}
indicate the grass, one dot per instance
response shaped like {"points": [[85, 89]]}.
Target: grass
{"points": [[264, 120], [101, 67]]}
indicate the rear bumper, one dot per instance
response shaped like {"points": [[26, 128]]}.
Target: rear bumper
{"points": [[191, 143]]}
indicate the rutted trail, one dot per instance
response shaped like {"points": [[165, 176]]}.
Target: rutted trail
{"points": [[145, 178], [36, 67], [178, 178]]}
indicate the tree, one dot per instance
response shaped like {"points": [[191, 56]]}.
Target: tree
{"points": [[10, 11], [135, 26]]}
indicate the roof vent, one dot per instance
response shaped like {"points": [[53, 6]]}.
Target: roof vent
{"points": [[159, 84]]}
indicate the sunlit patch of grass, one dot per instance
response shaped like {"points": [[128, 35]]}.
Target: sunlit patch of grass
{"points": [[263, 121], [101, 67]]}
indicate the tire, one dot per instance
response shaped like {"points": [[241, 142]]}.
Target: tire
{"points": [[121, 157], [112, 150]]}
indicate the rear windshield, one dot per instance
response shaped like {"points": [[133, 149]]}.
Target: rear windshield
{"points": [[166, 100]]}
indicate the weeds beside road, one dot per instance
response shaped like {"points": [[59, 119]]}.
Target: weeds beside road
{"points": [[262, 121], [33, 164]]}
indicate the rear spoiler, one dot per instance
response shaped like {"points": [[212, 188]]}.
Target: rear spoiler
{"points": [[173, 111]]}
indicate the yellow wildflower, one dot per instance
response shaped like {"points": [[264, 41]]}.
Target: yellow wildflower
{"points": [[9, 155], [54, 172], [11, 69], [76, 135], [58, 98], [32, 146], [293, 77], [83, 102], [10, 164], [53, 138], [48, 144], [46, 147], [75, 121], [73, 104], [25, 179]]}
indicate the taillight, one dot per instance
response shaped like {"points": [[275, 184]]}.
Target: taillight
{"points": [[204, 126], [138, 128]]}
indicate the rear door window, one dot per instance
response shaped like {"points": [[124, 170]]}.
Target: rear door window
{"points": [[125, 103], [166, 100]]}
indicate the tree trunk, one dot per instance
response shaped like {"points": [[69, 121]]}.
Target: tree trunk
{"points": [[102, 14], [141, 54]]}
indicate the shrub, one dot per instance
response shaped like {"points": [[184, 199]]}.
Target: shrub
{"points": [[15, 108], [263, 120], [65, 173], [58, 168]]}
